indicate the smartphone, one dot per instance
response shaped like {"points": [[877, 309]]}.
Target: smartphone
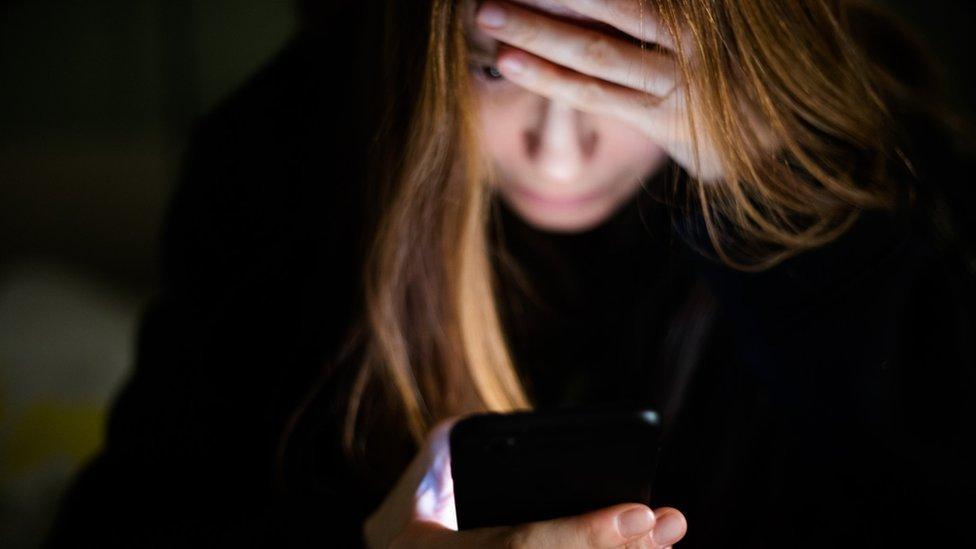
{"points": [[523, 467]]}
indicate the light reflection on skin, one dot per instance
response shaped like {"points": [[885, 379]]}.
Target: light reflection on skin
{"points": [[434, 498], [553, 7], [559, 169]]}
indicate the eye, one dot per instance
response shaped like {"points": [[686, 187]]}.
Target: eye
{"points": [[487, 72], [491, 72]]}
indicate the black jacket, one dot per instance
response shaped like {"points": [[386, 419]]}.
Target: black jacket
{"points": [[830, 402]]}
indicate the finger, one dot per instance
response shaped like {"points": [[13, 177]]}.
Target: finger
{"points": [[605, 528], [434, 495], [587, 51], [609, 527], [637, 18], [436, 445], [431, 535], [663, 119], [580, 91], [669, 528], [422, 491]]}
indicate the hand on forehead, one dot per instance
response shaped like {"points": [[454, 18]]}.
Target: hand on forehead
{"points": [[557, 8], [626, 19], [554, 7]]}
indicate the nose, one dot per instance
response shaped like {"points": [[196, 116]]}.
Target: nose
{"points": [[559, 142]]}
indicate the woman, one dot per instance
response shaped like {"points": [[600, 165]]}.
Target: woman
{"points": [[734, 212]]}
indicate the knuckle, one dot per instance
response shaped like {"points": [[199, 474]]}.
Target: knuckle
{"points": [[646, 101], [589, 93], [600, 50], [590, 534], [529, 35]]}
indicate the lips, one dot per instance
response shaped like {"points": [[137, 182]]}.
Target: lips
{"points": [[559, 201]]}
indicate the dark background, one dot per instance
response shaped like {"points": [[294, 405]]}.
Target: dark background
{"points": [[96, 98]]}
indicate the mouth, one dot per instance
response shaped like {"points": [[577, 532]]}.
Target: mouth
{"points": [[561, 202]]}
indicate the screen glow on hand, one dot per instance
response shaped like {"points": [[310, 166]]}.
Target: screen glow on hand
{"points": [[434, 499]]}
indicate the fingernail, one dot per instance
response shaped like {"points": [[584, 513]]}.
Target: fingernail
{"points": [[635, 522], [668, 529], [511, 65], [492, 16]]}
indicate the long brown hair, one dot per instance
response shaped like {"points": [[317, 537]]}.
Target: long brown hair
{"points": [[432, 341]]}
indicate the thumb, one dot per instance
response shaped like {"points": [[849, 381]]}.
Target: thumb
{"points": [[604, 528], [612, 526]]}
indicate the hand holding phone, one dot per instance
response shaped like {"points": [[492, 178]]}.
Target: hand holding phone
{"points": [[419, 512], [540, 465]]}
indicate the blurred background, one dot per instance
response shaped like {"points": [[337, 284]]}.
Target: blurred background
{"points": [[96, 98]]}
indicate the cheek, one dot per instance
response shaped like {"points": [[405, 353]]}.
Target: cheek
{"points": [[501, 126], [624, 148]]}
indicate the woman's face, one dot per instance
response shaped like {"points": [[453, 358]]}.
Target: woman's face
{"points": [[558, 168]]}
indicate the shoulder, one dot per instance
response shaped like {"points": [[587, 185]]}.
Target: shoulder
{"points": [[873, 274], [855, 318]]}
